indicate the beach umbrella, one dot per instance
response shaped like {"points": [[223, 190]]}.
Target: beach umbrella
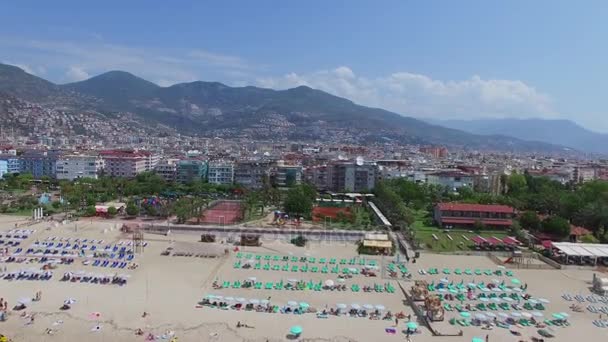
{"points": [[543, 300], [24, 300], [477, 339], [254, 301], [69, 301], [508, 299], [356, 306], [501, 267], [292, 280], [484, 299], [526, 314], [219, 297], [508, 290], [491, 314], [496, 281], [341, 280], [485, 289], [515, 281], [454, 291], [412, 325], [296, 330], [515, 314], [465, 314], [480, 316], [442, 290], [472, 285], [292, 303], [368, 307], [557, 316], [229, 299], [380, 307], [210, 296], [496, 289], [264, 301], [496, 299], [252, 278], [565, 315], [517, 289], [533, 301], [537, 314], [329, 282], [503, 315], [341, 306], [304, 305], [444, 280]]}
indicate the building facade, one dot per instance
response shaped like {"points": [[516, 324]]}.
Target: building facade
{"points": [[450, 215], [191, 170], [70, 167], [450, 179], [252, 174], [220, 173], [167, 169], [287, 176], [39, 163], [125, 164], [352, 177]]}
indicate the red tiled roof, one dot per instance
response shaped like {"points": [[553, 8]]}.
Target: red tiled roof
{"points": [[486, 208], [547, 244], [509, 240], [478, 240], [460, 220], [495, 241]]}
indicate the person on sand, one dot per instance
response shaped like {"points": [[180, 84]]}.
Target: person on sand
{"points": [[396, 321], [487, 337], [139, 332], [238, 324], [144, 315]]}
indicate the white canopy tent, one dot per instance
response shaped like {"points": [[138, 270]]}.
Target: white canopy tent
{"points": [[592, 250]]}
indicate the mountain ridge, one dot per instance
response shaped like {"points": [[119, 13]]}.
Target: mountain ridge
{"points": [[216, 109], [556, 131]]}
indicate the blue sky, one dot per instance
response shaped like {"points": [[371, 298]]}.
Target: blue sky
{"points": [[430, 59]]}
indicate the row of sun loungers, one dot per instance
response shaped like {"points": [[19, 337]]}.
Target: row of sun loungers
{"points": [[27, 275], [581, 299], [601, 323], [312, 260], [467, 271], [108, 263], [95, 279], [9, 243], [596, 310]]}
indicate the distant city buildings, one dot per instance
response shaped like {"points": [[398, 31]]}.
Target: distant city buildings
{"points": [[127, 163], [191, 170]]}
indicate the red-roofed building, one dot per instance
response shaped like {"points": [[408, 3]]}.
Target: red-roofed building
{"points": [[465, 215]]}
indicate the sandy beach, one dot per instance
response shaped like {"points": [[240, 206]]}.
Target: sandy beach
{"points": [[168, 289]]}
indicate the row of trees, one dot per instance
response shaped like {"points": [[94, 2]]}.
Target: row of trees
{"points": [[392, 204], [584, 205], [299, 200]]}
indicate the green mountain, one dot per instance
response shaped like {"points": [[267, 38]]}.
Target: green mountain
{"points": [[215, 109]]}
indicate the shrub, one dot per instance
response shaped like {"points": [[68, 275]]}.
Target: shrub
{"points": [[299, 241]]}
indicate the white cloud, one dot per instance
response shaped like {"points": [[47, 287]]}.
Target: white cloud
{"points": [[76, 73], [421, 96]]}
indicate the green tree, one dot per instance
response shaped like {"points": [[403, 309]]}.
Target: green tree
{"points": [[112, 211], [90, 211], [478, 226], [299, 201], [517, 183], [589, 238], [132, 209], [556, 225], [529, 220]]}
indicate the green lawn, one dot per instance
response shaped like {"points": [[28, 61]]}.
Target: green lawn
{"points": [[424, 234]]}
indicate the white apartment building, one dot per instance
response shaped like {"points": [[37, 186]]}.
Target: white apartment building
{"points": [[127, 164], [221, 173], [74, 166]]}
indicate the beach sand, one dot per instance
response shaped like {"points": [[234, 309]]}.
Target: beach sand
{"points": [[168, 288]]}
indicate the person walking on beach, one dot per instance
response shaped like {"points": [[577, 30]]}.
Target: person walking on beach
{"points": [[487, 337], [396, 321]]}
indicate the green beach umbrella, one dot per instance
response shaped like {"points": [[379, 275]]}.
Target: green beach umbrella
{"points": [[477, 339], [296, 330], [304, 305], [465, 314], [412, 325], [557, 316], [515, 281]]}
